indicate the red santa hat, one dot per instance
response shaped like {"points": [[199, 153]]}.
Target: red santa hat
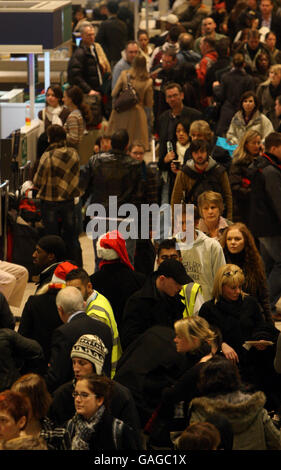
{"points": [[112, 246], [61, 271]]}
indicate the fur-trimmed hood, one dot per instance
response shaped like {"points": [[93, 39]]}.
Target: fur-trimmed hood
{"points": [[239, 408]]}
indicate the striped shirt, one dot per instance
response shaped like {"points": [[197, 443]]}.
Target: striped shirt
{"points": [[74, 128]]}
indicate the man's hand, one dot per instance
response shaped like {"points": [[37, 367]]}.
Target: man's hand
{"points": [[174, 168], [169, 157], [93, 92]]}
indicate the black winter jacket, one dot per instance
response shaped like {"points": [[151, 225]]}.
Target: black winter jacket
{"points": [[147, 308], [117, 282], [104, 436], [6, 317], [238, 320], [265, 209], [82, 70], [112, 173], [18, 355], [122, 405]]}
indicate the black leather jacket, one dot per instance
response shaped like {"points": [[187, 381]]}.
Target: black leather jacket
{"points": [[112, 174]]}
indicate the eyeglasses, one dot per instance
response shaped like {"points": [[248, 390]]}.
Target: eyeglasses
{"points": [[82, 395], [231, 273], [138, 153]]}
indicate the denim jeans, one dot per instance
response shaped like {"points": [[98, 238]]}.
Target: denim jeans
{"points": [[270, 248], [59, 219]]}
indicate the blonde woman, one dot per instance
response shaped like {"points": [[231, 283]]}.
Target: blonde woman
{"points": [[239, 247], [211, 207], [268, 91], [239, 319], [195, 338], [134, 120], [249, 148]]}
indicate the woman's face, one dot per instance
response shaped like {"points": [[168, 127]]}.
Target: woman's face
{"points": [[181, 134], [253, 146], [183, 345], [231, 292], [86, 403], [137, 153], [263, 61], [67, 101], [248, 104], [210, 213], [143, 41], [9, 428], [194, 135], [235, 241], [275, 77], [271, 41], [51, 99]]}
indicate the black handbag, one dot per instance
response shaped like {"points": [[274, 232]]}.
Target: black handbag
{"points": [[127, 98]]}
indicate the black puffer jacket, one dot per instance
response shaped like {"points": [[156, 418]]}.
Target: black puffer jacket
{"points": [[18, 355], [82, 70]]}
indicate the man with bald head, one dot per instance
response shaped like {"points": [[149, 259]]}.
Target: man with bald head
{"points": [[208, 28], [71, 310]]}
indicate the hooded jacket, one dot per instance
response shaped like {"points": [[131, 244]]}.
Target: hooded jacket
{"points": [[214, 178], [253, 428], [202, 261]]}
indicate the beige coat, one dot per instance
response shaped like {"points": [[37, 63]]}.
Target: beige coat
{"points": [[251, 424], [134, 120]]}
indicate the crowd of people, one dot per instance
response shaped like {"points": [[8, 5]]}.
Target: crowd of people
{"points": [[171, 342]]}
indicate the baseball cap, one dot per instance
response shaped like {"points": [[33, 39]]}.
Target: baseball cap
{"points": [[175, 269]]}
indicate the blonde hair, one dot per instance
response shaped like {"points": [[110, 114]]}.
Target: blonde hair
{"points": [[203, 128], [195, 327], [230, 275], [240, 153], [210, 197], [276, 68]]}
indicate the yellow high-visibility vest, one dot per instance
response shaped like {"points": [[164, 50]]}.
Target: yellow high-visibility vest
{"points": [[99, 307], [189, 292]]}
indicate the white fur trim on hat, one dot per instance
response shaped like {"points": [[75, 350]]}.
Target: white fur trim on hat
{"points": [[107, 254]]}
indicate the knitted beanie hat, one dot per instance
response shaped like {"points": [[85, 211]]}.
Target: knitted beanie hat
{"points": [[91, 348], [112, 246]]}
